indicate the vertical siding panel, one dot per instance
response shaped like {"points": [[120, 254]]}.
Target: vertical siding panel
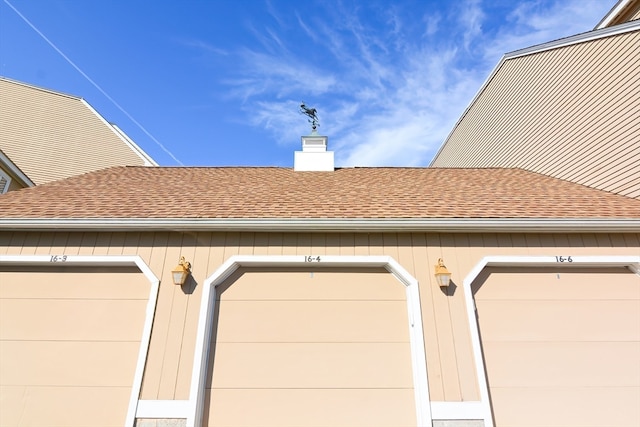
{"points": [[15, 242], [231, 245], [464, 262], [450, 360], [153, 370], [217, 252], [304, 244], [116, 245], [632, 240], [347, 243], [289, 244], [429, 324], [390, 244], [103, 242], [131, 244], [43, 245], [261, 244], [145, 245], [619, 245], [200, 264], [73, 243], [88, 243], [332, 243], [318, 243], [376, 244], [247, 244], [179, 310], [361, 244], [405, 253], [446, 345], [173, 313], [30, 244], [275, 244], [519, 243]]}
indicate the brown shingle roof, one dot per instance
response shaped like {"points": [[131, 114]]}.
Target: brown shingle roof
{"points": [[278, 193]]}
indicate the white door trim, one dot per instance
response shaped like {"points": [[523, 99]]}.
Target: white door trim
{"points": [[110, 261], [562, 261], [201, 356]]}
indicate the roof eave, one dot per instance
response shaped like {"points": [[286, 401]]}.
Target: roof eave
{"points": [[468, 225]]}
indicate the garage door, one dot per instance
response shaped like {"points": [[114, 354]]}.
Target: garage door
{"points": [[561, 347], [69, 342], [294, 348]]}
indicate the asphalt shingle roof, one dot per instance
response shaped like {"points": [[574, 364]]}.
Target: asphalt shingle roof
{"points": [[280, 193]]}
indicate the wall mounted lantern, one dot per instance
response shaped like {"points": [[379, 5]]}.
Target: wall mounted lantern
{"points": [[443, 276], [181, 272]]}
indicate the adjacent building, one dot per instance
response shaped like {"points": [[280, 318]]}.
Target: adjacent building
{"points": [[313, 294], [47, 135], [567, 109]]}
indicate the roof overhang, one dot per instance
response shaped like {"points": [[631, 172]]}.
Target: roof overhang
{"points": [[321, 225]]}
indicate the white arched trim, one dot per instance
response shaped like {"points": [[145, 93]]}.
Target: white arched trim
{"points": [[562, 261], [60, 260], [198, 379]]}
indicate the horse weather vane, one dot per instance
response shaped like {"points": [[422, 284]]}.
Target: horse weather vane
{"points": [[312, 115]]}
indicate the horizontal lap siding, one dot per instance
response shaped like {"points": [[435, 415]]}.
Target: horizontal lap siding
{"points": [[567, 112], [451, 371]]}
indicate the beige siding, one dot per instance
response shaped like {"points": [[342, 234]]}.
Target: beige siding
{"points": [[450, 366], [51, 136], [561, 345], [69, 343], [568, 112]]}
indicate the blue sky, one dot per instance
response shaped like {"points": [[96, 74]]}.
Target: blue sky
{"points": [[219, 82]]}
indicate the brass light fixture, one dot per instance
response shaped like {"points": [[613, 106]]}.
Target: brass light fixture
{"points": [[181, 272], [443, 276]]}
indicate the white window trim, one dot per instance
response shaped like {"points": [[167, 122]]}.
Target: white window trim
{"points": [[109, 261], [7, 179], [631, 262], [198, 380]]}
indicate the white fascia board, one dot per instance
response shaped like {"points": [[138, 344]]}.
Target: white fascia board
{"points": [[122, 136], [148, 161], [567, 41], [15, 170], [613, 13], [495, 225]]}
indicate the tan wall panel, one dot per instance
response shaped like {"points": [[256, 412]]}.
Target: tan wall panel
{"points": [[315, 321], [77, 283], [312, 365], [311, 408], [315, 283], [71, 319], [558, 284], [63, 406], [68, 363], [591, 407], [557, 320], [549, 364]]}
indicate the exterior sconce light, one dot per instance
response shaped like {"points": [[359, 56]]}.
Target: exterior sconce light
{"points": [[443, 276], [181, 272]]}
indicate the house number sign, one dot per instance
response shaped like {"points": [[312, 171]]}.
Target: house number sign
{"points": [[58, 258], [564, 259], [311, 258]]}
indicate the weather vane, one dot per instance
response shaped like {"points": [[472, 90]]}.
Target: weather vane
{"points": [[312, 115]]}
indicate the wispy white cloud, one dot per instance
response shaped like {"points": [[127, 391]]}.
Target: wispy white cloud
{"points": [[387, 92]]}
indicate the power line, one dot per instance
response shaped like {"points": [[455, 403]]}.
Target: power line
{"points": [[90, 80]]}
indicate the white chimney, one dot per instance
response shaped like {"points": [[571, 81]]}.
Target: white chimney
{"points": [[314, 155]]}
